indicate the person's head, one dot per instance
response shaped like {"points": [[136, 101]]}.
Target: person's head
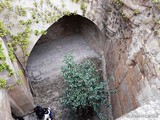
{"points": [[39, 112], [38, 108]]}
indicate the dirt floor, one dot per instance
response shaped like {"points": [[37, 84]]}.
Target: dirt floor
{"points": [[44, 67]]}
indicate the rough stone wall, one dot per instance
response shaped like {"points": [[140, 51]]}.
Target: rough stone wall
{"points": [[14, 92], [149, 111], [67, 25], [91, 34], [132, 58], [130, 49], [5, 111]]}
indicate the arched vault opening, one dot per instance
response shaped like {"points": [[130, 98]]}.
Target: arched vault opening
{"points": [[73, 34]]}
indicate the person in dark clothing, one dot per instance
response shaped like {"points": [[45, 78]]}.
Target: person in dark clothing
{"points": [[39, 112], [44, 113]]}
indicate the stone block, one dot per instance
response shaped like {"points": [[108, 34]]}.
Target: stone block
{"points": [[133, 5], [128, 79], [122, 103], [36, 74], [117, 112], [158, 57], [22, 98], [132, 93], [157, 81], [5, 110]]}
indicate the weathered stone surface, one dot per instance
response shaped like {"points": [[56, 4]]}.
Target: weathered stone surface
{"points": [[133, 5], [158, 58], [21, 100], [5, 110], [130, 48], [151, 111]]}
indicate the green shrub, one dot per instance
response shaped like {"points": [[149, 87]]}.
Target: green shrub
{"points": [[83, 8], [21, 11], [2, 55], [76, 1], [36, 32], [2, 83], [156, 1], [3, 30], [85, 92]]}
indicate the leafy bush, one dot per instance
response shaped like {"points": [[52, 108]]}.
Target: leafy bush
{"points": [[83, 8], [2, 83], [85, 93]]}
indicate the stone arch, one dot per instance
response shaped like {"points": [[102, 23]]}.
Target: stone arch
{"points": [[70, 25], [86, 26], [75, 34]]}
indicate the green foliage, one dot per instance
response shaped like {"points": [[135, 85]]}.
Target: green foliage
{"points": [[1, 6], [11, 53], [21, 11], [76, 1], [33, 15], [85, 92], [2, 56], [118, 3], [36, 32], [83, 8], [5, 4], [136, 12], [22, 22], [35, 4], [37, 21], [63, 5], [10, 71], [75, 12], [27, 23], [156, 1], [20, 73], [3, 30], [41, 2], [43, 32], [19, 82], [4, 66], [49, 3], [21, 39], [2, 83], [124, 15], [67, 13]]}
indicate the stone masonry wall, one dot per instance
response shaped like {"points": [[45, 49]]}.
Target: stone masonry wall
{"points": [[65, 26], [5, 111], [92, 35], [129, 48], [133, 58], [17, 96], [149, 111]]}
